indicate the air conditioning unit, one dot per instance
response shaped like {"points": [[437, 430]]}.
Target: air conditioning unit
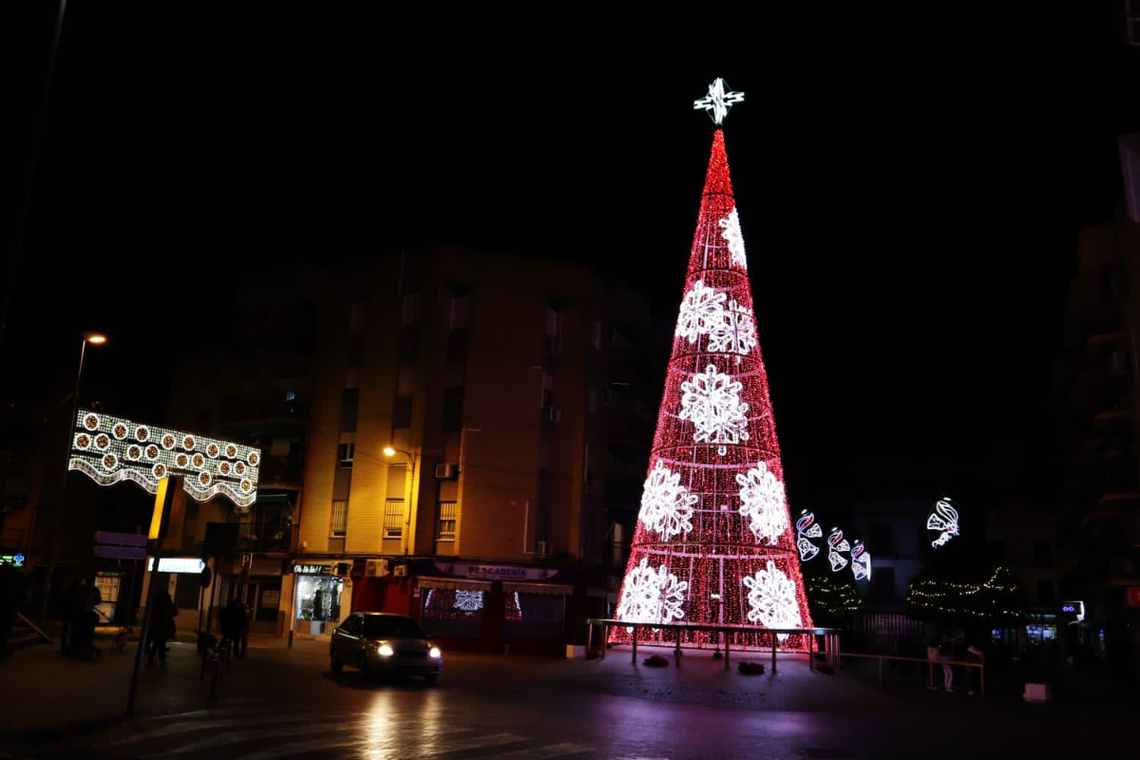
{"points": [[376, 568], [551, 414], [553, 346], [446, 471], [400, 571], [541, 549]]}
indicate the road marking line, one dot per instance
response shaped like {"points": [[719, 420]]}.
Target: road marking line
{"points": [[541, 753], [195, 725], [298, 748], [234, 737]]}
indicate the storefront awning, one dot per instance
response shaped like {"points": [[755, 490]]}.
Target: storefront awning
{"points": [[553, 589], [454, 583]]}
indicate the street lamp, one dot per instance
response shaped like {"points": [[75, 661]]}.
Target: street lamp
{"points": [[95, 339], [390, 451]]}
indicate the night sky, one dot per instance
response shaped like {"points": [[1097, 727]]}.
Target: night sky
{"points": [[910, 188]]}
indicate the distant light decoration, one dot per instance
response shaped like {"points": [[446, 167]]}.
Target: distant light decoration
{"points": [[719, 99], [836, 546], [694, 550], [806, 528], [110, 450], [860, 561], [943, 520], [666, 505]]}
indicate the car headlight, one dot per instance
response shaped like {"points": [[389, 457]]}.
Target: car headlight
{"points": [[385, 650], [434, 652]]}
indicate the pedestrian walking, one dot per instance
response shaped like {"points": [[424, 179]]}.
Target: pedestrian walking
{"points": [[161, 627]]}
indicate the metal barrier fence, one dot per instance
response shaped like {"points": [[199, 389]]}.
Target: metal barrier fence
{"points": [[830, 636], [929, 663]]}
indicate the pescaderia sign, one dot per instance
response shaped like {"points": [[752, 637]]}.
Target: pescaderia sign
{"points": [[496, 572]]}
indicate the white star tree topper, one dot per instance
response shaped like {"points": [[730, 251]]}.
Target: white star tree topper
{"points": [[719, 99]]}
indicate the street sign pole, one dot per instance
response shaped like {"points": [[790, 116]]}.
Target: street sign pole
{"points": [[167, 496]]}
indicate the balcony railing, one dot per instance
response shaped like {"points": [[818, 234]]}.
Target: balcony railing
{"points": [[264, 538]]}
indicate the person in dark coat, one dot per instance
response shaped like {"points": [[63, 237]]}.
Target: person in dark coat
{"points": [[162, 614], [12, 597]]}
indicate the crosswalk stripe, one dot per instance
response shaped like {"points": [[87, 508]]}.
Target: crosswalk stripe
{"points": [[541, 753], [234, 737], [296, 748], [196, 725]]}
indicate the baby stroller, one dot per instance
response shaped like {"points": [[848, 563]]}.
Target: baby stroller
{"points": [[82, 640]]}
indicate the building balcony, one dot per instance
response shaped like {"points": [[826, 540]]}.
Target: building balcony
{"points": [[264, 538]]}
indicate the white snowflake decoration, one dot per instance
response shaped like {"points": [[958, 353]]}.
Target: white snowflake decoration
{"points": [[763, 502], [735, 333], [711, 400], [666, 505], [735, 238], [772, 599], [702, 309], [468, 601], [651, 595]]}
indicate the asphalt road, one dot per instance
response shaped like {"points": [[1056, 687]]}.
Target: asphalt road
{"points": [[280, 703]]}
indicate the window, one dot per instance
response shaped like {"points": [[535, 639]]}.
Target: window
{"points": [[553, 323], [445, 530], [348, 405], [290, 396], [452, 409], [345, 453], [457, 347], [402, 412], [391, 627], [339, 523], [459, 307], [352, 625], [1042, 554], [393, 518]]}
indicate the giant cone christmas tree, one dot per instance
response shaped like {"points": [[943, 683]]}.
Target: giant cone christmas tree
{"points": [[714, 542]]}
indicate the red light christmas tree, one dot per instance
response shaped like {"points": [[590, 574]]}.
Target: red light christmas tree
{"points": [[714, 542]]}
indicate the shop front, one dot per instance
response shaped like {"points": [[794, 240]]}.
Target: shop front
{"points": [[482, 607], [321, 598]]}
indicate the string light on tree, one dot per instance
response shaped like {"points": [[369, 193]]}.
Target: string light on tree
{"points": [[714, 542]]}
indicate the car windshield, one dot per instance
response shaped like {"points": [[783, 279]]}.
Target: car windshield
{"points": [[391, 628]]}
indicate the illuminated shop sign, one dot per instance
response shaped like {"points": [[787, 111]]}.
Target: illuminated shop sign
{"points": [[15, 560], [110, 450], [302, 569], [177, 565]]}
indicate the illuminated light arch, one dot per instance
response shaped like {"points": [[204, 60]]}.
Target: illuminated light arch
{"points": [[111, 449]]}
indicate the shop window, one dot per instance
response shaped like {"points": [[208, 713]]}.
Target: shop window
{"points": [[318, 604], [108, 585], [534, 616], [448, 516], [452, 612]]}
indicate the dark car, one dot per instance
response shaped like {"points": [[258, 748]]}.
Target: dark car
{"points": [[384, 644]]}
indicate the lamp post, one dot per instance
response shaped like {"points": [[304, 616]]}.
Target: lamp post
{"points": [[95, 339], [390, 452]]}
